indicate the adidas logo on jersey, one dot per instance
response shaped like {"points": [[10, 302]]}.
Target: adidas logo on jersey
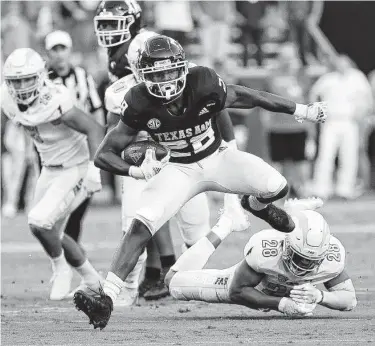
{"points": [[203, 111]]}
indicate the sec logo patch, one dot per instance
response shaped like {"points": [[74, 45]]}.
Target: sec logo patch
{"points": [[154, 123]]}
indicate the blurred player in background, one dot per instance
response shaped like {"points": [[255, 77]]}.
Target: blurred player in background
{"points": [[18, 159], [82, 89], [287, 139], [349, 95], [193, 221], [279, 272], [178, 106], [66, 140]]}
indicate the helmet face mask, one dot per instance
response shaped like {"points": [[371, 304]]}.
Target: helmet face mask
{"points": [[113, 32], [298, 264], [306, 247], [116, 22], [162, 67], [24, 74], [165, 80]]}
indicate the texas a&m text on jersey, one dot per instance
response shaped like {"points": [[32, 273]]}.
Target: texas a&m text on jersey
{"points": [[191, 136]]}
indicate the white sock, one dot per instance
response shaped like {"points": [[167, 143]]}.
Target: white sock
{"points": [[88, 272], [113, 286], [59, 262], [132, 281], [223, 227], [255, 204], [195, 257]]}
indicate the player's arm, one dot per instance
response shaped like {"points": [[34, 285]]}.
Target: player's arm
{"points": [[242, 289], [246, 98], [83, 123], [108, 156], [112, 120], [225, 125], [341, 293]]}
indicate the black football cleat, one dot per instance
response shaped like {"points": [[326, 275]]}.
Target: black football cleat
{"points": [[98, 308], [158, 290], [146, 285]]}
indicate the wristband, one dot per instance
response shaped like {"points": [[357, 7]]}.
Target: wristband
{"points": [[136, 172], [321, 300], [301, 111]]}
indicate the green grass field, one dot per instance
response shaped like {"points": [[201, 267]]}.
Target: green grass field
{"points": [[29, 318]]}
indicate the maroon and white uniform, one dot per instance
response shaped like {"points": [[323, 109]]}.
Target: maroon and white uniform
{"points": [[200, 160]]}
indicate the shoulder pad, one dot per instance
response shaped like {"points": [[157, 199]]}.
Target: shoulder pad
{"points": [[253, 252], [115, 94], [208, 84], [138, 98], [335, 259]]}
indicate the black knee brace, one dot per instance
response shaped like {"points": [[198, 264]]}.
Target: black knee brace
{"points": [[282, 193]]}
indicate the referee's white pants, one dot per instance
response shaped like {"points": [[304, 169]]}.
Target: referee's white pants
{"points": [[342, 138]]}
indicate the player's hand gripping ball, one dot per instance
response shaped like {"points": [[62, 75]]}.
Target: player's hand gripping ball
{"points": [[134, 153]]}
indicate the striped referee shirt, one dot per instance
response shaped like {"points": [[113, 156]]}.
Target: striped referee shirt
{"points": [[81, 86]]}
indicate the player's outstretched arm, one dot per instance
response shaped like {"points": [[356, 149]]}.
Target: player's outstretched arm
{"points": [[108, 155], [246, 98], [340, 296], [242, 289], [82, 122]]}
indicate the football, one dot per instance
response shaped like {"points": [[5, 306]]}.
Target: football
{"points": [[135, 152]]}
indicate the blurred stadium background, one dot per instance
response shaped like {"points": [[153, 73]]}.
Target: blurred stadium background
{"points": [[254, 43], [247, 42]]}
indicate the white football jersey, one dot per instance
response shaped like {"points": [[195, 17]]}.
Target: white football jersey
{"points": [[115, 94], [56, 143], [263, 253]]}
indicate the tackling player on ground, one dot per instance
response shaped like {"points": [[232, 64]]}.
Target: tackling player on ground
{"points": [[66, 139], [178, 107], [279, 272], [118, 28]]}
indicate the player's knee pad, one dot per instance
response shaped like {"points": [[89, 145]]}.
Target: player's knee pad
{"points": [[277, 187], [192, 234], [38, 221], [150, 217]]}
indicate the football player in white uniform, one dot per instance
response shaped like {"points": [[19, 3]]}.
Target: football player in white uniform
{"points": [[66, 139], [279, 272], [193, 220]]}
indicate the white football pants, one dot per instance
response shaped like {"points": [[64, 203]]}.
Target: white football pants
{"points": [[58, 191], [227, 170]]}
